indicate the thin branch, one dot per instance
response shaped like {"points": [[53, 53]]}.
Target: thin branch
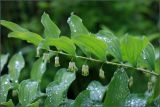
{"points": [[108, 62]]}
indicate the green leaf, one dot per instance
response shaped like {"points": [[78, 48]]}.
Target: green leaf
{"points": [[132, 48], [3, 58], [76, 26], [62, 43], [35, 104], [97, 91], [51, 29], [112, 43], [135, 100], [82, 99], [96, 46], [28, 36], [117, 89], [7, 104], [38, 69], [5, 86], [12, 26], [16, 64], [148, 56], [57, 90], [28, 92]]}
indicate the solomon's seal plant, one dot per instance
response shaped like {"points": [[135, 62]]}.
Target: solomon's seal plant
{"points": [[133, 60]]}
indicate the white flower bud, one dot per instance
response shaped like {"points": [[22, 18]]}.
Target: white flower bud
{"points": [[149, 86], [130, 81], [101, 74], [56, 64], [85, 70], [38, 52], [45, 57], [72, 67]]}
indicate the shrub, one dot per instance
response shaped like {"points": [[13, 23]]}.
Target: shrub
{"points": [[135, 81]]}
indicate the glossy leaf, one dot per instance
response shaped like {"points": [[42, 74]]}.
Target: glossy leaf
{"points": [[112, 43], [97, 91], [27, 36], [117, 89], [76, 26], [135, 100], [3, 58], [132, 48], [57, 90], [82, 99], [38, 69], [5, 86], [12, 26], [96, 46], [148, 56], [28, 92], [16, 64], [51, 29], [63, 43], [7, 104]]}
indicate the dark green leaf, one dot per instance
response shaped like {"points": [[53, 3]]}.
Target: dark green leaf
{"points": [[28, 92], [117, 89], [97, 91], [3, 58], [38, 69], [57, 90], [112, 43], [148, 56], [76, 26], [132, 48], [5, 86], [12, 26], [82, 99], [16, 64], [28, 36], [96, 46], [51, 29], [62, 43]]}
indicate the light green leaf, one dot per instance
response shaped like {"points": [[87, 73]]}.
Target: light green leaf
{"points": [[35, 104], [132, 48], [5, 86], [28, 91], [112, 43], [7, 104], [57, 90], [38, 69], [96, 46], [117, 89], [12, 26], [3, 58], [97, 91], [28, 36], [148, 56], [76, 26], [51, 29], [62, 43], [16, 64]]}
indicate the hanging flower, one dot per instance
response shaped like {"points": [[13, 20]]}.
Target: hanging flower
{"points": [[130, 81], [45, 57], [101, 73], [72, 67], [56, 64], [38, 52], [149, 86], [85, 70]]}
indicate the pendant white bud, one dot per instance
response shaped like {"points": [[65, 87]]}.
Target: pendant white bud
{"points": [[56, 64], [101, 73], [72, 67], [85, 70]]}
